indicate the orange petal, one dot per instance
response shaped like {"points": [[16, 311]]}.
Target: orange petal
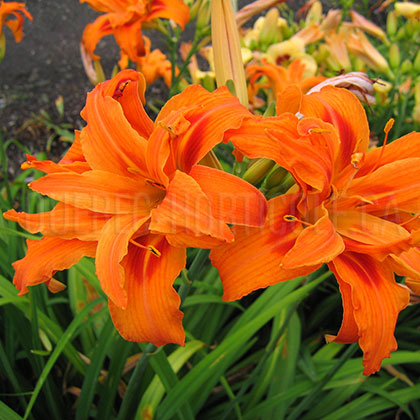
{"points": [[343, 110], [252, 261], [152, 312], [406, 264], [95, 31], [349, 331], [130, 39], [405, 147], [47, 256], [112, 248], [376, 300], [209, 115], [75, 152], [176, 10], [50, 167], [185, 209], [108, 140], [132, 100], [316, 244], [391, 188], [65, 222], [289, 100], [232, 199], [185, 240], [100, 191], [370, 234]]}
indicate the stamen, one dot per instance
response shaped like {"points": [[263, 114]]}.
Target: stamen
{"points": [[416, 216], [387, 129], [291, 218], [150, 248], [156, 184], [168, 128]]}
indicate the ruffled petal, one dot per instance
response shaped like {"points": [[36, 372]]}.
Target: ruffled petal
{"points": [[95, 31], [45, 257], [176, 10], [349, 331], [232, 199], [130, 39], [152, 312], [316, 244], [376, 300], [100, 191], [343, 110], [405, 147], [252, 261], [50, 167], [209, 116], [365, 233], [109, 141], [132, 100], [390, 188], [75, 152], [65, 222], [112, 248], [186, 209]]}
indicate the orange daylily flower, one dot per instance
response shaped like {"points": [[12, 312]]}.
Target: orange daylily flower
{"points": [[11, 9], [17, 11], [131, 194], [279, 78], [153, 65], [347, 209], [124, 20]]}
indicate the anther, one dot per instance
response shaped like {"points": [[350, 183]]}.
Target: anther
{"points": [[387, 129], [291, 218], [150, 248]]}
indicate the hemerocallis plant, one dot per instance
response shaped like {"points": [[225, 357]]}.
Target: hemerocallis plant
{"points": [[131, 194], [124, 19], [11, 15], [348, 209]]}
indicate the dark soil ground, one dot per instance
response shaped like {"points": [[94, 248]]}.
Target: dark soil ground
{"points": [[46, 65]]}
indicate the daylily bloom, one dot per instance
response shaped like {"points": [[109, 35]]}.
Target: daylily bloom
{"points": [[347, 209], [124, 20], [131, 194], [8, 10], [279, 78], [152, 65]]}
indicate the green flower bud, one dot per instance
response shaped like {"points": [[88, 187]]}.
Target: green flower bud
{"points": [[394, 56], [258, 170], [391, 24]]}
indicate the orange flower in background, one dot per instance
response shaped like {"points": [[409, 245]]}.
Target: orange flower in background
{"points": [[124, 20], [11, 15], [153, 65], [349, 209], [131, 194], [279, 78]]}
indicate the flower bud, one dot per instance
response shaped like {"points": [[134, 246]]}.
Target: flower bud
{"points": [[391, 23], [394, 56], [270, 32], [406, 66], [416, 64], [275, 177], [258, 170], [226, 48], [203, 15]]}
